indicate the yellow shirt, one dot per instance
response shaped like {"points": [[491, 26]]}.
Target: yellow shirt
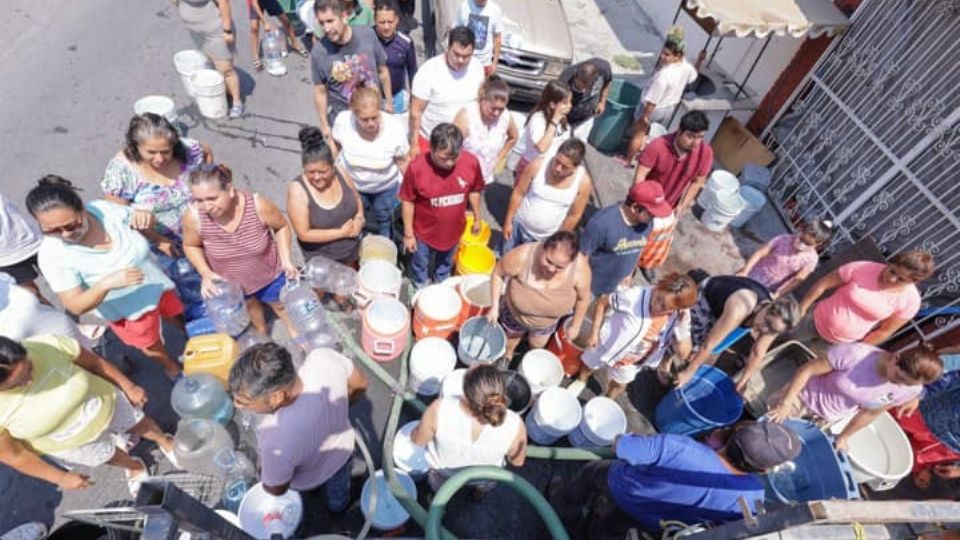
{"points": [[65, 406]]}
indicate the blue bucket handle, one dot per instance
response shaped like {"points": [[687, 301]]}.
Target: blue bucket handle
{"points": [[853, 492]]}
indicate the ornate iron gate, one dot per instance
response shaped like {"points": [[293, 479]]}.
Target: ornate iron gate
{"points": [[872, 141]]}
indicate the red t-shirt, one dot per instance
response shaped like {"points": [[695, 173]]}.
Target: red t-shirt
{"points": [[440, 198], [673, 172]]}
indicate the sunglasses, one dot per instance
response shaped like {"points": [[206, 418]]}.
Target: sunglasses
{"points": [[68, 228]]}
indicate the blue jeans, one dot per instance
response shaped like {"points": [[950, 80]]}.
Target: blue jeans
{"points": [[337, 488], [383, 204], [518, 238], [420, 263]]}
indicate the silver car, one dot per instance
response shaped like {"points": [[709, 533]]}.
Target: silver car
{"points": [[536, 41]]}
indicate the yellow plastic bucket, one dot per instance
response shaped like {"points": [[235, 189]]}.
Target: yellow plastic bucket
{"points": [[481, 239], [475, 259]]}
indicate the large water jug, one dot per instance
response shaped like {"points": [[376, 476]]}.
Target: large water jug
{"points": [[330, 276], [277, 33], [273, 55], [188, 282], [306, 315], [227, 308], [196, 442], [238, 476], [201, 396]]}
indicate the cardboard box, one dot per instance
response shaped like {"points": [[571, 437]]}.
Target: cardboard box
{"points": [[734, 146]]}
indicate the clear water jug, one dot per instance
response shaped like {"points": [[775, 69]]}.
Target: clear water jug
{"points": [[273, 54], [307, 315], [201, 396], [227, 308], [250, 337], [277, 32], [196, 442], [330, 276], [238, 476]]}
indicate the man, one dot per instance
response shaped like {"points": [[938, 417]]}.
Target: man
{"points": [[590, 82], [345, 58], [658, 478], [401, 54], [443, 85], [616, 234], [304, 437], [485, 18], [679, 161], [435, 191]]}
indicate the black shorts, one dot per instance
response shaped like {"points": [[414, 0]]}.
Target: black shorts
{"points": [[269, 7], [24, 271]]}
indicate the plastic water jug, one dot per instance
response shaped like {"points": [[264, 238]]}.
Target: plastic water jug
{"points": [[201, 396], [273, 49], [277, 32], [196, 442], [250, 337], [330, 276], [210, 353], [227, 308], [307, 315], [238, 476], [188, 282]]}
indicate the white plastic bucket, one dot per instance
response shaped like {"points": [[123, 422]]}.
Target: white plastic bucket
{"points": [[431, 359], [602, 421], [160, 105], [754, 200], [262, 515], [187, 62], [210, 92], [719, 181], [377, 248], [724, 208], [375, 279], [389, 514], [542, 369], [408, 457], [555, 414], [880, 454], [452, 386]]}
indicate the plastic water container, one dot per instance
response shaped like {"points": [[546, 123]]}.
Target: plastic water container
{"points": [[188, 282], [210, 92], [227, 308], [481, 342], [277, 32], [201, 396], [210, 353], [756, 176], [187, 62], [273, 52], [555, 414], [238, 475], [708, 401], [610, 129], [408, 457], [724, 207], [196, 442], [755, 201], [263, 515], [377, 248], [431, 359], [519, 393], [603, 420], [719, 181], [389, 513], [542, 369], [156, 104], [330, 276], [819, 472], [306, 314]]}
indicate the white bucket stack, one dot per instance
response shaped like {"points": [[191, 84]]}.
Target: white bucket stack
{"points": [[187, 62], [602, 421], [719, 181], [210, 92], [542, 369], [431, 360], [555, 414], [159, 105], [880, 454]]}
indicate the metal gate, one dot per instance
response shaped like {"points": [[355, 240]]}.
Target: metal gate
{"points": [[872, 141]]}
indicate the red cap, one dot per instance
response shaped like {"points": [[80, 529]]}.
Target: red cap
{"points": [[649, 195]]}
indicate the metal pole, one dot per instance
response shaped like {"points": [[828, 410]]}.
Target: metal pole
{"points": [[677, 14], [715, 49], [752, 67]]}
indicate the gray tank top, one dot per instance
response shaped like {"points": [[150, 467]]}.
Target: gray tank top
{"points": [[344, 250]]}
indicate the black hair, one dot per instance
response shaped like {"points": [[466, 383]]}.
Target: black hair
{"points": [[313, 148], [209, 172], [150, 126], [446, 136], [694, 121], [573, 149], [336, 6], [263, 368], [734, 455], [586, 72], [564, 239], [386, 5], [11, 353], [461, 35], [673, 47], [555, 91], [51, 192]]}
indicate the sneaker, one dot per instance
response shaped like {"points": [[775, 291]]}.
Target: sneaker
{"points": [[236, 111], [33, 530]]}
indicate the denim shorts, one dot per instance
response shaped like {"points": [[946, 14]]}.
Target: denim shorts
{"points": [[271, 293]]}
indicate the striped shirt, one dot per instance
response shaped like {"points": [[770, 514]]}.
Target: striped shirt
{"points": [[247, 255], [658, 244]]}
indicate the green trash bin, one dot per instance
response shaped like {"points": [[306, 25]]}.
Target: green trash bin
{"points": [[610, 129]]}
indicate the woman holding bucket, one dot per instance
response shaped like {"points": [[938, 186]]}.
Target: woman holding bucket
{"points": [[474, 429], [547, 280], [643, 320], [855, 380]]}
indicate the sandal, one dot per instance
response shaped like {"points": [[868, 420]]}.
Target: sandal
{"points": [[133, 482], [303, 52], [258, 64], [170, 456]]}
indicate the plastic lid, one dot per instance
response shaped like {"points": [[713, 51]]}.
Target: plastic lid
{"points": [[439, 302], [433, 355], [386, 316], [409, 457]]}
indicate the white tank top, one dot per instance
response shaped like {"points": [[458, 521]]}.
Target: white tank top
{"points": [[544, 207], [453, 448], [485, 141]]}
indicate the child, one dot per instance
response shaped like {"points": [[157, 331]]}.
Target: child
{"points": [[785, 261]]}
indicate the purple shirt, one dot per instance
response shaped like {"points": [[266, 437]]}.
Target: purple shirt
{"points": [[401, 61], [783, 261], [855, 383]]}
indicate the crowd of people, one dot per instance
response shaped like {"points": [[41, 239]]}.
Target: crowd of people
{"points": [[170, 225]]}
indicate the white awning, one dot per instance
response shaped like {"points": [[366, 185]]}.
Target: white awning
{"points": [[760, 18]]}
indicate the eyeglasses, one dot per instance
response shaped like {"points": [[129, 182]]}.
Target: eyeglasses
{"points": [[68, 228]]}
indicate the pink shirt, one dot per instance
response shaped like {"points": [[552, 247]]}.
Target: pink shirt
{"points": [[783, 261], [308, 441], [859, 304], [855, 383]]}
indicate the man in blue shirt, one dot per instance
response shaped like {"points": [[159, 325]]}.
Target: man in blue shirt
{"points": [[401, 55], [658, 478]]}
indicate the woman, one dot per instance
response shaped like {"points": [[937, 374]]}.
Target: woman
{"points": [[788, 259], [257, 10], [61, 400], [211, 26], [858, 380], [872, 300], [546, 126], [324, 207], [96, 261], [728, 304], [151, 174], [488, 133], [475, 429], [19, 242], [643, 320], [240, 236], [549, 196], [548, 280], [371, 153], [663, 92]]}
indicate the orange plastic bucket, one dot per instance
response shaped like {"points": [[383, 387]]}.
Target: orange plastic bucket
{"points": [[210, 353], [474, 291], [566, 349], [436, 312]]}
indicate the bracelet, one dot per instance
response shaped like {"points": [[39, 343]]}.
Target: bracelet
{"points": [[228, 30]]}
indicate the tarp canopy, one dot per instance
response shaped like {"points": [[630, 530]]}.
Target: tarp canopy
{"points": [[760, 18]]}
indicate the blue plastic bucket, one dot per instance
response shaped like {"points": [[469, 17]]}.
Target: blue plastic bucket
{"points": [[818, 473], [708, 401]]}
